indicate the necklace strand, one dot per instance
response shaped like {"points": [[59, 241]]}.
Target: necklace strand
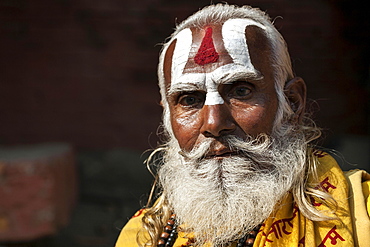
{"points": [[169, 235]]}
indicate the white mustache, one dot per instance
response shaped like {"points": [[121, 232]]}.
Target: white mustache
{"points": [[249, 147]]}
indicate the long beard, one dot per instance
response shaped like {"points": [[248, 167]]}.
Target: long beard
{"points": [[222, 199]]}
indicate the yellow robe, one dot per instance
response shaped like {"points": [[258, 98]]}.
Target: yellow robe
{"points": [[288, 227]]}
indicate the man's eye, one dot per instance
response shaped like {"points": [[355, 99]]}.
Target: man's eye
{"points": [[189, 100], [242, 91]]}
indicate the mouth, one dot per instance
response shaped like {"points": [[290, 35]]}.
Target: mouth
{"points": [[220, 154]]}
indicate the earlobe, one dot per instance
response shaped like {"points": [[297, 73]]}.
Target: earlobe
{"points": [[295, 91]]}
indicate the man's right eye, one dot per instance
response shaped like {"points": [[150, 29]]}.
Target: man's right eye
{"points": [[191, 100]]}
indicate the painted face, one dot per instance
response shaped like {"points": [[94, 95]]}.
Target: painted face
{"points": [[219, 81]]}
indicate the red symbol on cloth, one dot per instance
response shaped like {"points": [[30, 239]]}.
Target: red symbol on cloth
{"points": [[325, 185], [207, 52], [333, 235], [319, 153], [138, 213]]}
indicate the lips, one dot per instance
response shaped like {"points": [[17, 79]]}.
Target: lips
{"points": [[220, 153]]}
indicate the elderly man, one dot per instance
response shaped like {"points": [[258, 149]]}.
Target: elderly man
{"points": [[238, 168]]}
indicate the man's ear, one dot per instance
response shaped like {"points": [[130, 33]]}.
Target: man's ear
{"points": [[295, 91]]}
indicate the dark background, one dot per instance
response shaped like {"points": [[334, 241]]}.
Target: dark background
{"points": [[83, 72]]}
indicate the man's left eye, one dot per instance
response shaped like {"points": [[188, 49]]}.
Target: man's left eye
{"points": [[242, 91]]}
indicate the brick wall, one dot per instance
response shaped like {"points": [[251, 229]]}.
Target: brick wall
{"points": [[84, 71]]}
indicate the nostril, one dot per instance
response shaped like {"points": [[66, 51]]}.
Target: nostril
{"points": [[208, 134]]}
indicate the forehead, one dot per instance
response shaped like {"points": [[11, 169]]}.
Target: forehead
{"points": [[217, 52]]}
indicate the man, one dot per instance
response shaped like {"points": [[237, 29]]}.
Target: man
{"points": [[238, 168]]}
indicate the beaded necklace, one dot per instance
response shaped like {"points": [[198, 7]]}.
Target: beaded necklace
{"points": [[169, 235]]}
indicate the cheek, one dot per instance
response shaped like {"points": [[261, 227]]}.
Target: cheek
{"points": [[256, 119], [186, 128]]}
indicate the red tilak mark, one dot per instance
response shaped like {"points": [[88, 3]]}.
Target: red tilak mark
{"points": [[207, 52]]}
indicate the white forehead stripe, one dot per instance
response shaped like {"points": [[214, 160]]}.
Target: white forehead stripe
{"points": [[181, 53], [233, 33], [214, 98]]}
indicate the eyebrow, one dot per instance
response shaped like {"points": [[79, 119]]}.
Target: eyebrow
{"points": [[228, 78], [186, 87]]}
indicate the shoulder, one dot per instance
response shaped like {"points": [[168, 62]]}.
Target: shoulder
{"points": [[359, 200], [327, 174], [359, 181], [128, 235]]}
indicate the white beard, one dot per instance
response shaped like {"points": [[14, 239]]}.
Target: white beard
{"points": [[221, 200]]}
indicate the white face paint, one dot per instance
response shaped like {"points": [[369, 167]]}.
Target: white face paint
{"points": [[233, 36]]}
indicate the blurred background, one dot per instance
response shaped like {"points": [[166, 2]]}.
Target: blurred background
{"points": [[79, 104]]}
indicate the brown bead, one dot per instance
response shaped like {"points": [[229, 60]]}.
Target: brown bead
{"points": [[170, 222], [249, 242], [173, 216], [161, 241], [253, 234], [165, 235], [168, 228]]}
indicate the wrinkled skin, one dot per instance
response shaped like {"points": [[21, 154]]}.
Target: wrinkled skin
{"points": [[249, 107]]}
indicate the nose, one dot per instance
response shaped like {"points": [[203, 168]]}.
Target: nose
{"points": [[217, 120]]}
